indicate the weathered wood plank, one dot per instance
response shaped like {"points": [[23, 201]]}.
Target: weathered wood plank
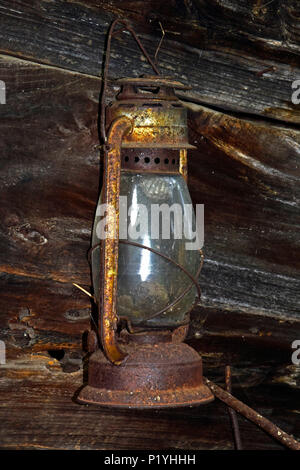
{"points": [[245, 172], [247, 175], [240, 56], [37, 412], [40, 314], [50, 171]]}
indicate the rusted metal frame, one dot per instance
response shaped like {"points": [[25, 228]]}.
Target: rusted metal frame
{"points": [[183, 164], [232, 413], [159, 374], [135, 91], [111, 33], [155, 127], [252, 415], [153, 160], [110, 243]]}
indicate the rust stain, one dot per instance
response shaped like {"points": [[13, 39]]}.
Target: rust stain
{"points": [[159, 117], [183, 164], [110, 245]]}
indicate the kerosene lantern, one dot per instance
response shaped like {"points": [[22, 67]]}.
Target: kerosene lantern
{"points": [[145, 284]]}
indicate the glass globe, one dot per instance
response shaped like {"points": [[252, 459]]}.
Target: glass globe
{"points": [[152, 208]]}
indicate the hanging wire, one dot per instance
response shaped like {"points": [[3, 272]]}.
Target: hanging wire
{"points": [[112, 33], [90, 296], [160, 42], [232, 413]]}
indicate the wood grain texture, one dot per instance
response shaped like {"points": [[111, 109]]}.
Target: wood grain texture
{"points": [[37, 411], [50, 173], [247, 175], [245, 170], [240, 56]]}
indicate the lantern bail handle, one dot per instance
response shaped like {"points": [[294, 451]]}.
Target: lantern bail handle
{"points": [[111, 34]]}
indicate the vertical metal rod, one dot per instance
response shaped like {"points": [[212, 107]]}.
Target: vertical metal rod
{"points": [[110, 243], [253, 416], [232, 413]]}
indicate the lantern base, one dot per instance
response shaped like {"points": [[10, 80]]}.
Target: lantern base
{"points": [[164, 375]]}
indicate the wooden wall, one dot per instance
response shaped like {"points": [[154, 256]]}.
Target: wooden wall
{"points": [[241, 59]]}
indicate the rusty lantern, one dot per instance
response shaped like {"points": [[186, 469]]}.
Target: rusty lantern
{"points": [[145, 288]]}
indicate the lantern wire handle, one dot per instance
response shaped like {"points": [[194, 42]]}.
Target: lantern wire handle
{"points": [[160, 42], [232, 413], [111, 34]]}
